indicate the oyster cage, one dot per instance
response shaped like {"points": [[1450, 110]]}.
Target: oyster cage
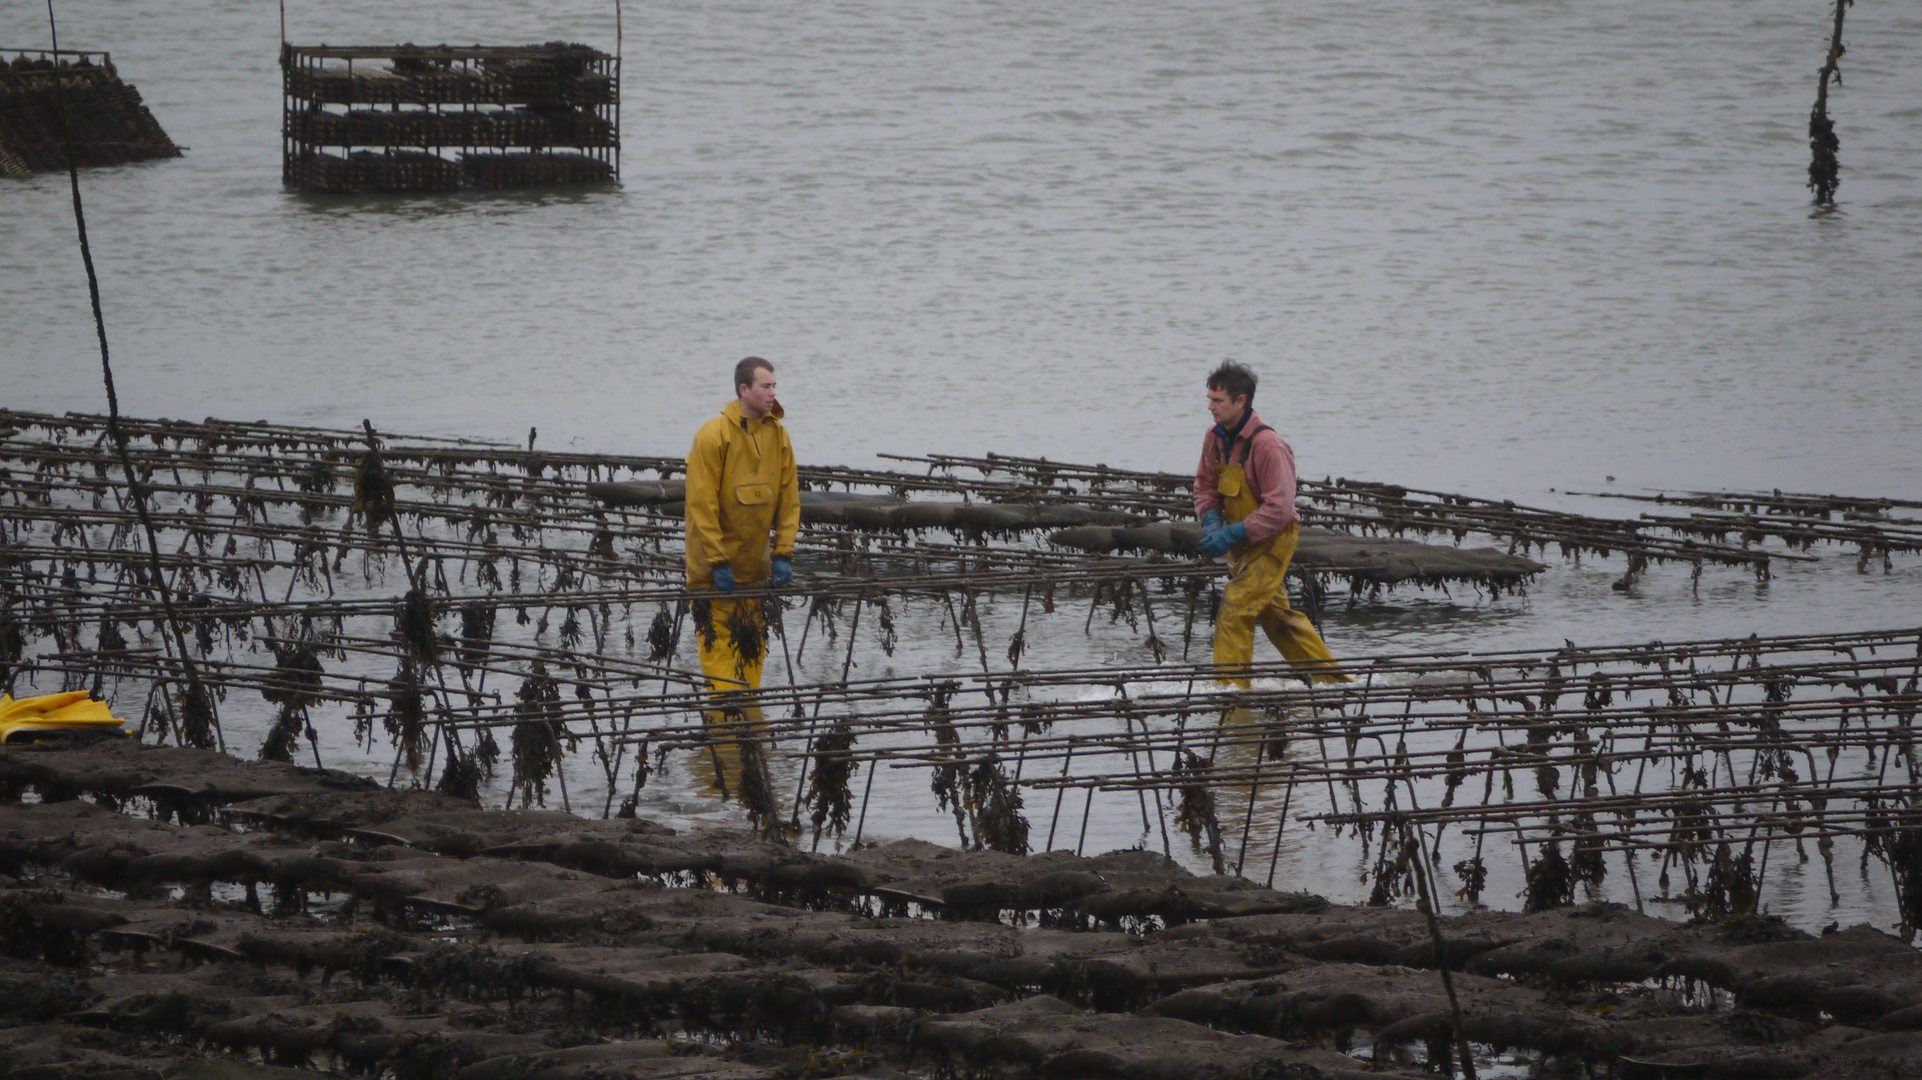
{"points": [[440, 118], [44, 92]]}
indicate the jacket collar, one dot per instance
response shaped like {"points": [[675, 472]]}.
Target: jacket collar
{"points": [[737, 418], [1225, 439]]}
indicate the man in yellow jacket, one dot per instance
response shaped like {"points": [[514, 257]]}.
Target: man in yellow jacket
{"points": [[742, 486]]}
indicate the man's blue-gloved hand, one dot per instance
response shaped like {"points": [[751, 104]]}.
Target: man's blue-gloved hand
{"points": [[1212, 521], [724, 578], [783, 571], [1216, 542]]}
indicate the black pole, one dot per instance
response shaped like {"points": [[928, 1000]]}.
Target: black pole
{"points": [[115, 432]]}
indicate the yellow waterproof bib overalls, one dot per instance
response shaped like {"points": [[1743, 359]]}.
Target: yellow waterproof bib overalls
{"points": [[1258, 592]]}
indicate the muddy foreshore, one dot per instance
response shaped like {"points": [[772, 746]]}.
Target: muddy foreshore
{"points": [[179, 913]]}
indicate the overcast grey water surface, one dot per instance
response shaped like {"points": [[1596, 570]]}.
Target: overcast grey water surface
{"points": [[1510, 249]]}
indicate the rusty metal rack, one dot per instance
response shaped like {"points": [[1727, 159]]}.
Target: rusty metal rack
{"points": [[1688, 769], [1371, 508], [1875, 526], [475, 607], [270, 527], [488, 504], [440, 118], [512, 481]]}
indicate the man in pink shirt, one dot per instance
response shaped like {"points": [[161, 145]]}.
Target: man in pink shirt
{"points": [[1245, 498]]}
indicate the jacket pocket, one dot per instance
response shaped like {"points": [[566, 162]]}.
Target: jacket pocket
{"points": [[753, 494]]}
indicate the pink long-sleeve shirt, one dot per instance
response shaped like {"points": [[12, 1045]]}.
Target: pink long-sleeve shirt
{"points": [[1270, 471]]}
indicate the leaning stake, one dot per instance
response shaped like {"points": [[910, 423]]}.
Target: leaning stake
{"points": [[117, 434], [1824, 168]]}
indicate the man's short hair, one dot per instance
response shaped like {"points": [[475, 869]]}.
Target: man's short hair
{"points": [[744, 372], [1233, 379]]}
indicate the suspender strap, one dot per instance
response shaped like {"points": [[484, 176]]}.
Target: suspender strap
{"points": [[1250, 444], [1225, 449]]}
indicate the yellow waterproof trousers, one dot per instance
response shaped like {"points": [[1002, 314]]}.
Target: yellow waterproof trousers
{"points": [[732, 672], [726, 664], [1258, 594]]}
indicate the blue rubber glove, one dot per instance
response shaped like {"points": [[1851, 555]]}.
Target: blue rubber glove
{"points": [[1212, 522], [1215, 543], [724, 578], [783, 571]]}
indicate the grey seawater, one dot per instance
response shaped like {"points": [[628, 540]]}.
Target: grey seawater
{"points": [[1510, 249]]}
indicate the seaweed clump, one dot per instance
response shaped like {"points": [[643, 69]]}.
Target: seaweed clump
{"points": [[1551, 881], [757, 790], [537, 735], [830, 787], [197, 718], [1196, 813], [466, 772], [995, 804], [295, 685]]}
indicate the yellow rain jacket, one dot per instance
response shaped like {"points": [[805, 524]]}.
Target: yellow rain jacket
{"points": [[741, 485], [75, 709]]}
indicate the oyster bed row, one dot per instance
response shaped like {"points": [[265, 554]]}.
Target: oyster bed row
{"points": [[259, 917]]}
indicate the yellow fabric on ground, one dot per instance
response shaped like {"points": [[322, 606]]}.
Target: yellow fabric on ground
{"points": [[72, 709], [1257, 595]]}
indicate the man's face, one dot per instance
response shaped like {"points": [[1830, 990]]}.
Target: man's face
{"points": [[1224, 409], [757, 398]]}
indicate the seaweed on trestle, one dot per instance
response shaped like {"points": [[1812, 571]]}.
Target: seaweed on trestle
{"points": [[406, 720], [295, 684], [1394, 872], [536, 739], [1728, 886], [1551, 883], [373, 492], [466, 772], [1195, 813], [830, 794], [476, 633], [757, 788], [995, 804], [1900, 848], [661, 636], [417, 631], [949, 778], [196, 713]]}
